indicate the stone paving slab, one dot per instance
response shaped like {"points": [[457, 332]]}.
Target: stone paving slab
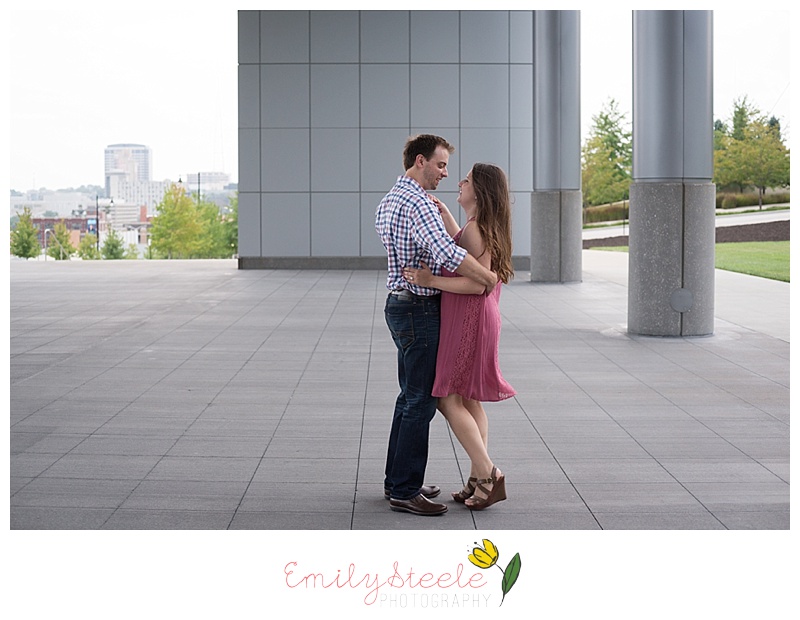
{"points": [[192, 395]]}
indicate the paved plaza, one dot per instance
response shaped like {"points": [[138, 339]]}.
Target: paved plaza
{"points": [[193, 395]]}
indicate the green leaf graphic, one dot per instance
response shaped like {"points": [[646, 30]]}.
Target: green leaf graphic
{"points": [[510, 575]]}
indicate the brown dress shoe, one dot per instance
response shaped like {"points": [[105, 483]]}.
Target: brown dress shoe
{"points": [[428, 490], [418, 505]]}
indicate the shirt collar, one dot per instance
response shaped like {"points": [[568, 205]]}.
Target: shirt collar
{"points": [[407, 180]]}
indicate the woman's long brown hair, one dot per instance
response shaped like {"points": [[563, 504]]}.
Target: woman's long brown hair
{"points": [[493, 216]]}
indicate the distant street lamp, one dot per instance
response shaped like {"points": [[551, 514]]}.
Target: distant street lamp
{"points": [[97, 220]]}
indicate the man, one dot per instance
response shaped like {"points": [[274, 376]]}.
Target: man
{"points": [[412, 232]]}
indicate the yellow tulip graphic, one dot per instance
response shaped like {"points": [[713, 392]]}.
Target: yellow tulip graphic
{"points": [[486, 556]]}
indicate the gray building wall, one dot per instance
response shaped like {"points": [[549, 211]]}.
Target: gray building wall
{"points": [[327, 100]]}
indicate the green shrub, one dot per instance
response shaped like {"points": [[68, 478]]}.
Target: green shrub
{"points": [[606, 213], [727, 200], [724, 200], [730, 201]]}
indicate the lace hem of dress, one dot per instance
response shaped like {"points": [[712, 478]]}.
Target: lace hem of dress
{"points": [[466, 348]]}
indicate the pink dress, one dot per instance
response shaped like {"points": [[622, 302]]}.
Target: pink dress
{"points": [[469, 336]]}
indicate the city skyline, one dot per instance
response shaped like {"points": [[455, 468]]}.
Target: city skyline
{"points": [[126, 172], [68, 106]]}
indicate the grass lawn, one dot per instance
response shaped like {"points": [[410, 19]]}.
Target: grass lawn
{"points": [[766, 259]]}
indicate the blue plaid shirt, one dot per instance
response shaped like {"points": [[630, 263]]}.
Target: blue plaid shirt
{"points": [[412, 232]]}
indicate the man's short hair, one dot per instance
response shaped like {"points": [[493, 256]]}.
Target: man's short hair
{"points": [[424, 144]]}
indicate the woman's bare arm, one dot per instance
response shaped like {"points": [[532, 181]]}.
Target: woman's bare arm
{"points": [[424, 277], [477, 260], [450, 223]]}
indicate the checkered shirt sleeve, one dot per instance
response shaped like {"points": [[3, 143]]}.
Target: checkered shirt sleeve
{"points": [[411, 229]]}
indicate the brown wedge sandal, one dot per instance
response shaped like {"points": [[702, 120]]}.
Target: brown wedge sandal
{"points": [[465, 493], [496, 494]]}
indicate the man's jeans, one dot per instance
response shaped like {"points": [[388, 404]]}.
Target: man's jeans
{"points": [[414, 325]]}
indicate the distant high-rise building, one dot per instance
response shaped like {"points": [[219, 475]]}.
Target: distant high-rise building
{"points": [[131, 162], [207, 181], [128, 178]]}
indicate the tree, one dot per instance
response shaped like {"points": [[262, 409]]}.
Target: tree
{"points": [[607, 158], [230, 224], [132, 252], [721, 133], [211, 243], [727, 164], [113, 247], [743, 115], [25, 237], [216, 230], [187, 227], [767, 157], [87, 248], [776, 125], [752, 154], [58, 244], [176, 229]]}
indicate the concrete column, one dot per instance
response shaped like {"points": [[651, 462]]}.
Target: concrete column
{"points": [[671, 262], [556, 217]]}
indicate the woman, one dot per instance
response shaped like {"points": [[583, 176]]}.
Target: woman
{"points": [[467, 369]]}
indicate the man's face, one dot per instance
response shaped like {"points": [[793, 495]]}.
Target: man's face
{"points": [[435, 168]]}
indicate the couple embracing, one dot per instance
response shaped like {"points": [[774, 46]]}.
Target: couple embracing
{"points": [[442, 311]]}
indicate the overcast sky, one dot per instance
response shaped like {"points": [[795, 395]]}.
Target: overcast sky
{"points": [[84, 77]]}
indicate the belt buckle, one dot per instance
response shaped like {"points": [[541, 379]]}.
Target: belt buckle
{"points": [[404, 295]]}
